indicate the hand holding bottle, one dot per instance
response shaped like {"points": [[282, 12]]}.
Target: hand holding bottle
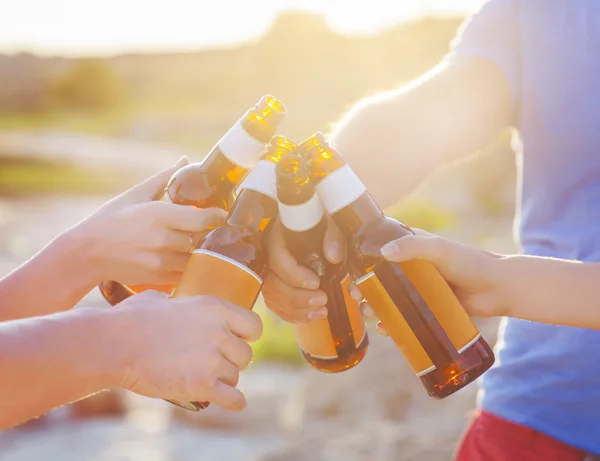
{"points": [[189, 348], [291, 290], [135, 239], [471, 272]]}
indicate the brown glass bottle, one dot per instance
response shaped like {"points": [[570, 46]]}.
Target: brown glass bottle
{"points": [[412, 300], [231, 260], [340, 341], [212, 182]]}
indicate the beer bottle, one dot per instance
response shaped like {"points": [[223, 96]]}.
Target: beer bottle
{"points": [[232, 259], [414, 303], [212, 182], [340, 341]]}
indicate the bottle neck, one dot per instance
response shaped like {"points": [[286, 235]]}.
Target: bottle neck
{"points": [[304, 228], [253, 211], [347, 200], [360, 213]]}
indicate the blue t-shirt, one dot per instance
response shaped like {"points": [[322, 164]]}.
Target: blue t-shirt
{"points": [[548, 377]]}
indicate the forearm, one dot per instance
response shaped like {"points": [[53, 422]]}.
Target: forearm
{"points": [[394, 141], [53, 280], [550, 290], [49, 361]]}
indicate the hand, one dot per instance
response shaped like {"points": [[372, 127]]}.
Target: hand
{"points": [[291, 290], [190, 348], [471, 272], [136, 240]]}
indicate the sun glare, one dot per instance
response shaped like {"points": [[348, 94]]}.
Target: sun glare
{"points": [[113, 26]]}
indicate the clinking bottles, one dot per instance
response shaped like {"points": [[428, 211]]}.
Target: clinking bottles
{"points": [[212, 182], [412, 300], [232, 259], [340, 341]]}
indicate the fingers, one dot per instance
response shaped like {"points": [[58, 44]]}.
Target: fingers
{"points": [[163, 263], [228, 373], [227, 397], [355, 293], [174, 240], [238, 352], [334, 246], [293, 304], [153, 187], [381, 329], [243, 322], [285, 265], [428, 247], [186, 218]]}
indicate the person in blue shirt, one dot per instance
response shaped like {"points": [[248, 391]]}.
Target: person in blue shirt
{"points": [[533, 65]]}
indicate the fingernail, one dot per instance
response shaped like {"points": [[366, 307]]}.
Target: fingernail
{"points": [[182, 161], [317, 314], [310, 284], [356, 295], [335, 251], [381, 330], [317, 301], [367, 310], [389, 250]]}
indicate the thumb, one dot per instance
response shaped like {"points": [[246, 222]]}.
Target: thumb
{"points": [[153, 187], [427, 247], [334, 245]]}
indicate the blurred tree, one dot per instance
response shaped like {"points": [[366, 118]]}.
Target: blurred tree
{"points": [[89, 84]]}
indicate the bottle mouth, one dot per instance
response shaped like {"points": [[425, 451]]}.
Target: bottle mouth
{"points": [[293, 180], [316, 140], [274, 104], [281, 142]]}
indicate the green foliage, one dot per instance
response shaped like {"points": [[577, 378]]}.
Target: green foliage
{"points": [[422, 215], [278, 342], [20, 177], [88, 85]]}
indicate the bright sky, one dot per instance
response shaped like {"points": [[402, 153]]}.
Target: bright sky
{"points": [[83, 27]]}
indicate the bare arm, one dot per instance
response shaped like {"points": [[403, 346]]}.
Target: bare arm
{"points": [[53, 360], [545, 290], [131, 239], [394, 140], [548, 290], [195, 355], [53, 280]]}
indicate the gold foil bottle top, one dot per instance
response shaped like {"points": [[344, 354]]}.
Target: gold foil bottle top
{"points": [[279, 147]]}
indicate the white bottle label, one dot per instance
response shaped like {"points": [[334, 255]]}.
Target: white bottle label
{"points": [[302, 217], [241, 148], [340, 188], [261, 179]]}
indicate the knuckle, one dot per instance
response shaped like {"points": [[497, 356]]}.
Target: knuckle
{"points": [[207, 382], [161, 238], [222, 335], [153, 262]]}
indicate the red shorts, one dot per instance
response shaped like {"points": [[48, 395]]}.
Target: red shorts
{"points": [[490, 438]]}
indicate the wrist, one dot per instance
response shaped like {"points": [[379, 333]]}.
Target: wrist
{"points": [[77, 255], [503, 270], [112, 348]]}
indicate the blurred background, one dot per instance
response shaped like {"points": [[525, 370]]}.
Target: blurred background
{"points": [[95, 96]]}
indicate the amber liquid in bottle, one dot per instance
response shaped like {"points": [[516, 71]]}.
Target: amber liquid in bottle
{"points": [[232, 258], [212, 182], [340, 341], [412, 300]]}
